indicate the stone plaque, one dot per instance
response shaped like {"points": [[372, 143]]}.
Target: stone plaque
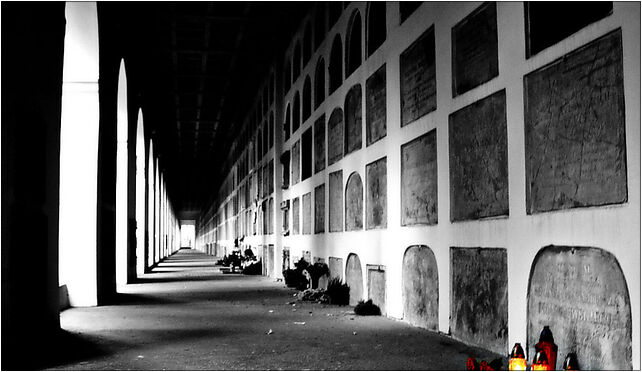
{"points": [[418, 85], [319, 209], [475, 49], [335, 264], [478, 159], [420, 284], [354, 203], [306, 154], [479, 297], [582, 295], [307, 256], [336, 201], [354, 279], [575, 130], [353, 119], [269, 261], [376, 106], [270, 177], [335, 136], [377, 286], [307, 213], [376, 196], [286, 258], [270, 216], [319, 144], [296, 162], [419, 181], [295, 216]]}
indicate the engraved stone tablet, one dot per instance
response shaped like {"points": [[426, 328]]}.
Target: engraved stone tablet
{"points": [[417, 73], [295, 216], [419, 181], [376, 106], [582, 295], [319, 209], [307, 213], [475, 49], [377, 286], [575, 139], [271, 177], [478, 159], [335, 265], [269, 261], [479, 302], [420, 287], [270, 216], [354, 279], [354, 203], [353, 119], [319, 144], [296, 161], [306, 154], [336, 201], [376, 197], [286, 258], [335, 136]]}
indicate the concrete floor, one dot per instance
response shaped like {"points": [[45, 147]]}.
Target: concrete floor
{"points": [[185, 315]]}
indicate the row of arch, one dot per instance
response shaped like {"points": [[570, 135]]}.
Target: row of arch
{"points": [[349, 135], [375, 37]]}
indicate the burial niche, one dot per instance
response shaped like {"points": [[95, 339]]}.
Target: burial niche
{"points": [[336, 201], [419, 180], [353, 119], [354, 278], [575, 129], [307, 213], [335, 265], [354, 203], [319, 209], [582, 295], [335, 136], [376, 196], [479, 297], [420, 284], [377, 286]]}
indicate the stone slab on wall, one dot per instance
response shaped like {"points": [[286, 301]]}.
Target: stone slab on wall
{"points": [[474, 50], [335, 264], [269, 261], [335, 136], [376, 106], [354, 203], [479, 297], [582, 295], [420, 285], [296, 220], [353, 116], [419, 180], [418, 88], [354, 278], [306, 211], [377, 286], [296, 162], [319, 144], [319, 209], [336, 201], [286, 258], [376, 196], [575, 130], [479, 159], [271, 177]]}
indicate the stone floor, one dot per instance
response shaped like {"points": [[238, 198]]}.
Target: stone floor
{"points": [[186, 315]]}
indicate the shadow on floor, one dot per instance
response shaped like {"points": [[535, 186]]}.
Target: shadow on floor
{"points": [[64, 348]]}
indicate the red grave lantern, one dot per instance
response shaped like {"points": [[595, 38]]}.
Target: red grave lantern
{"points": [[547, 345]]}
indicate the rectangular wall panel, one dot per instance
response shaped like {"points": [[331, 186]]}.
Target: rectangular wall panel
{"points": [[376, 106], [376, 195], [418, 83], [419, 181], [575, 140], [336, 201]]}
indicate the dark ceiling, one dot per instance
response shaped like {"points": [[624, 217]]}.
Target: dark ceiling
{"points": [[195, 68]]}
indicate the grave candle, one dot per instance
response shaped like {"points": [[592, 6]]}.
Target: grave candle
{"points": [[517, 361]]}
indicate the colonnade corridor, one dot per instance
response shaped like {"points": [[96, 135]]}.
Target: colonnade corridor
{"points": [[186, 315]]}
